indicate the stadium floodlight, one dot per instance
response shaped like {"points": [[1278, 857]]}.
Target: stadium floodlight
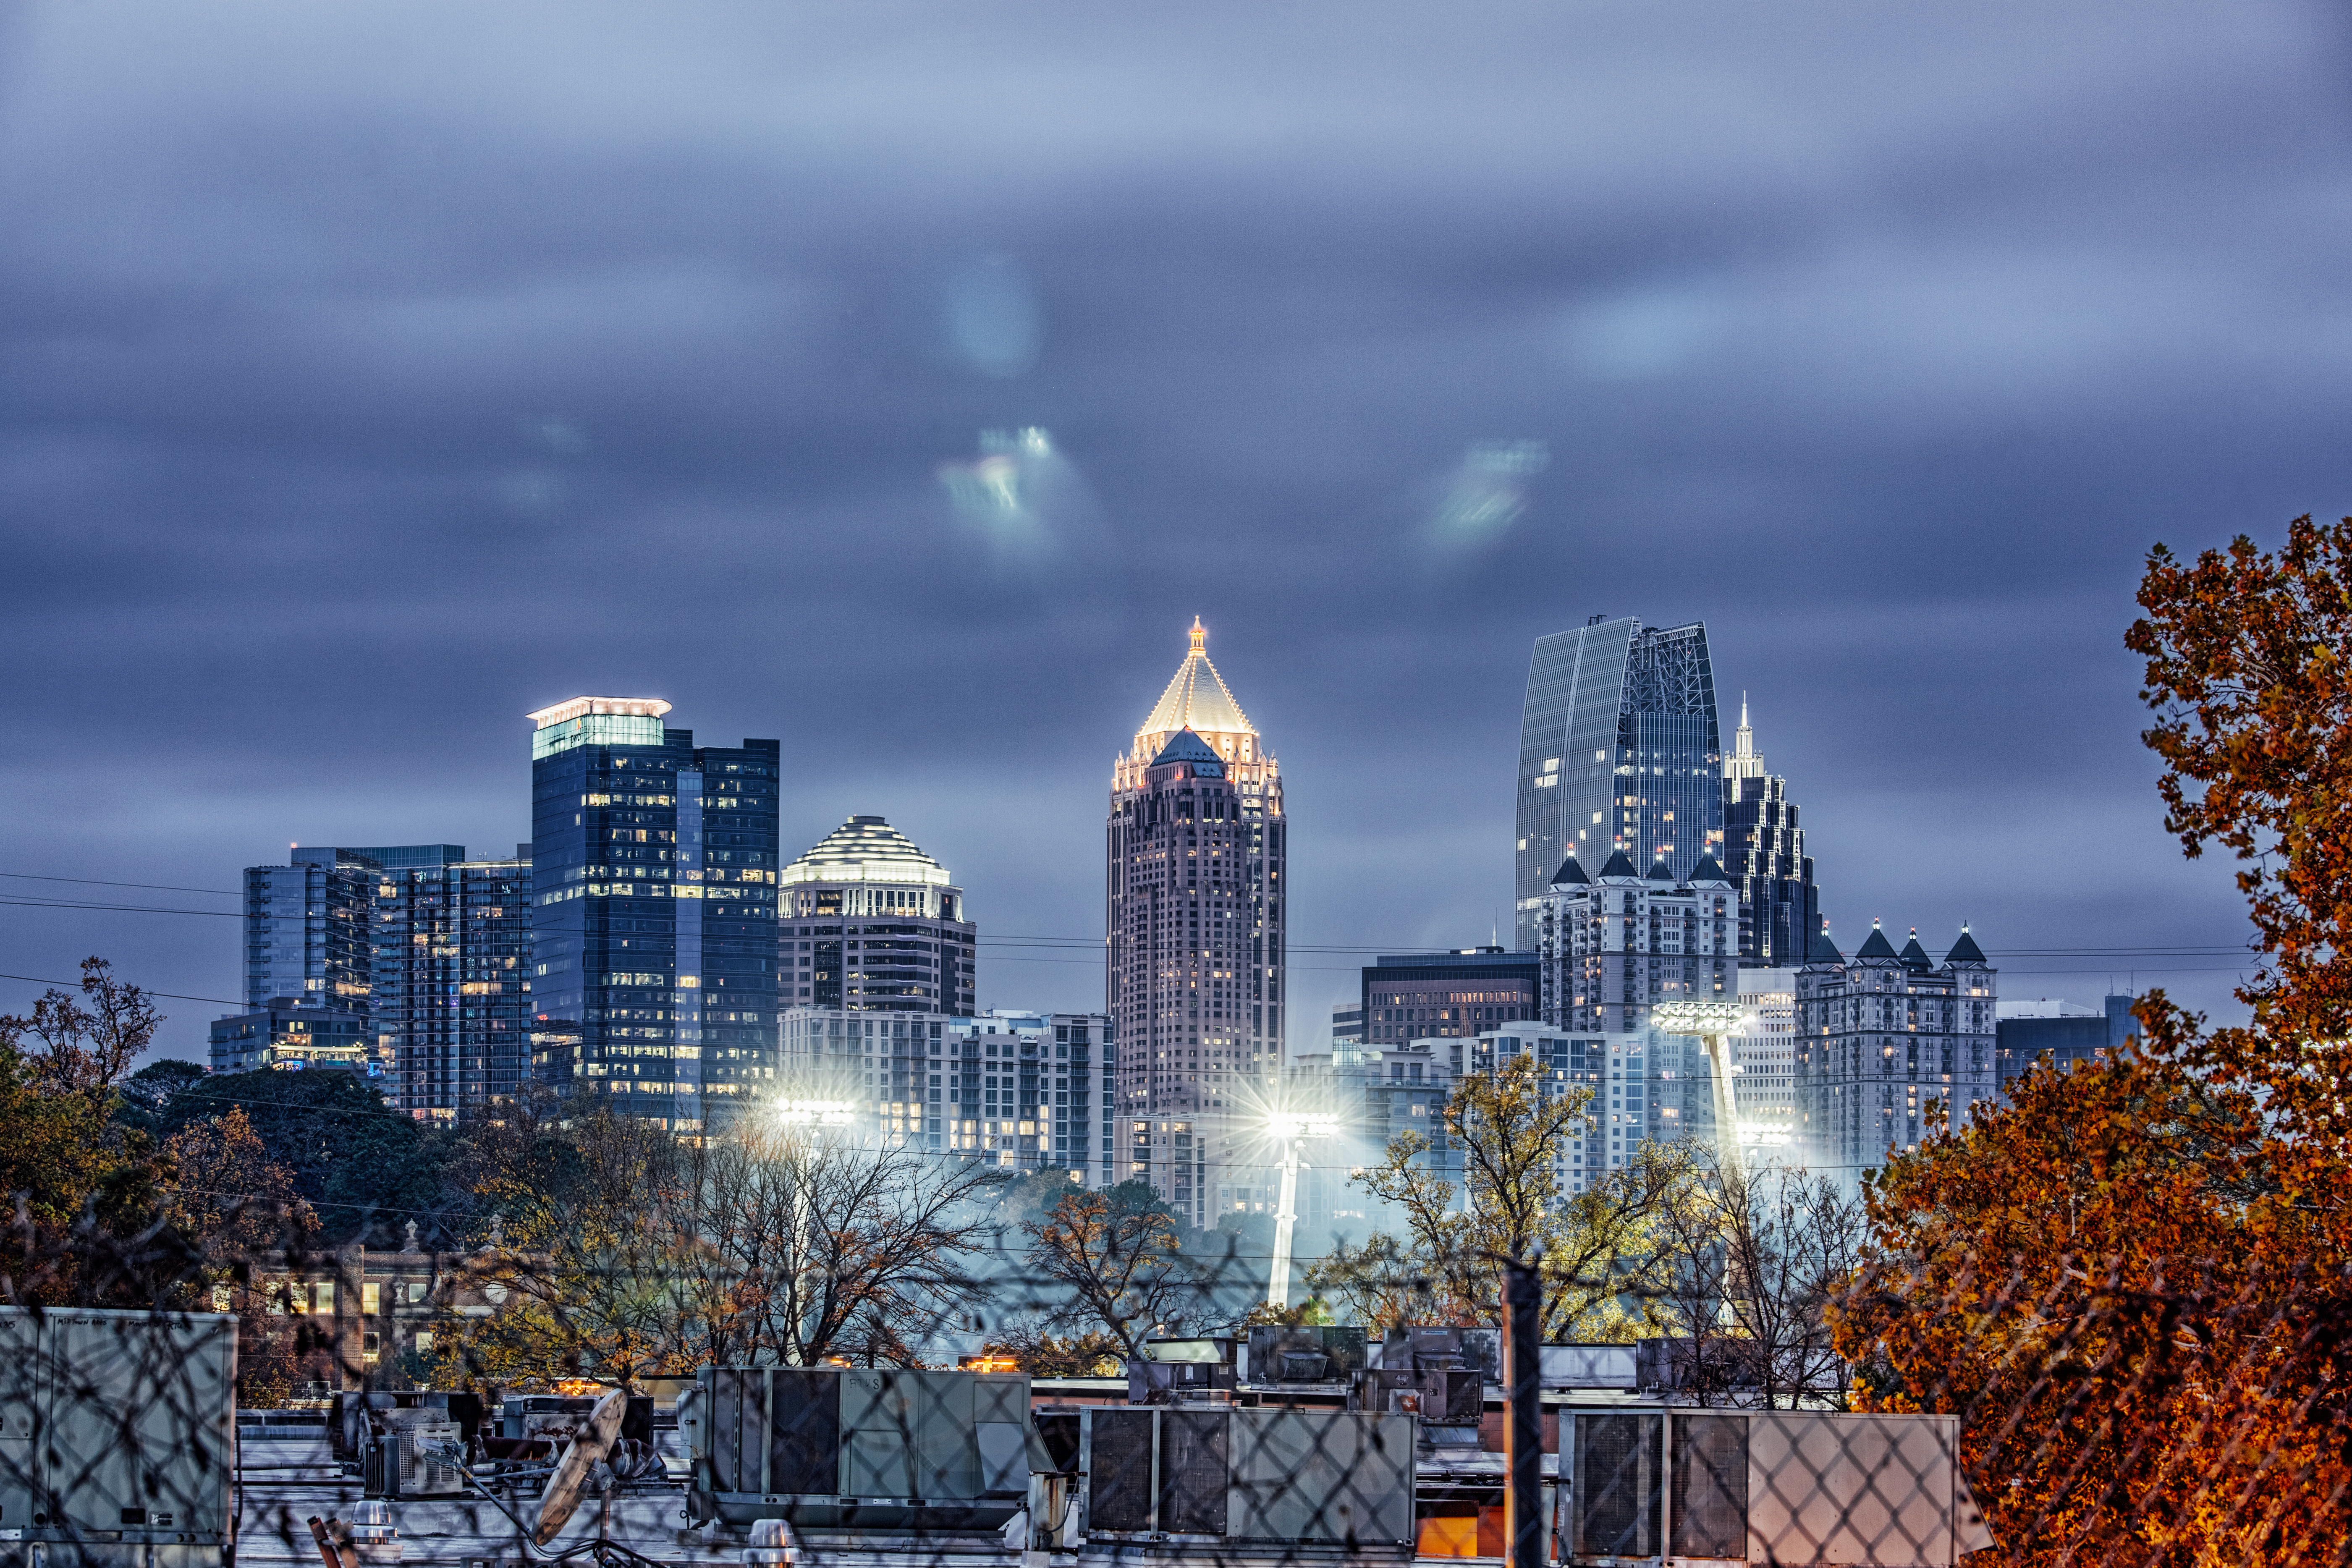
{"points": [[816, 1113], [1291, 1129], [1712, 1021]]}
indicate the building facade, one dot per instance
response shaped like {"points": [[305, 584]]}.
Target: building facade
{"points": [[1026, 1091], [452, 1006], [870, 924], [1619, 752], [1447, 996], [1889, 1044], [291, 1034], [1195, 848], [1764, 851], [654, 938], [309, 930], [1612, 947], [2057, 1033]]}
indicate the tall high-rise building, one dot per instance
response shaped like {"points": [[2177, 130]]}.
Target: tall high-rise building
{"points": [[309, 930], [1880, 1039], [654, 938], [871, 923], [452, 962], [1764, 851], [1616, 945], [1618, 751], [1195, 849]]}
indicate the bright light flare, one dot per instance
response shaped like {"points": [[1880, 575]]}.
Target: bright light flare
{"points": [[1696, 1018], [816, 1113], [1292, 1125]]}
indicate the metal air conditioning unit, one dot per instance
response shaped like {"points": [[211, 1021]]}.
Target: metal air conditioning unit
{"points": [[118, 1437], [844, 1449], [1215, 1475], [1765, 1485], [1280, 1356]]}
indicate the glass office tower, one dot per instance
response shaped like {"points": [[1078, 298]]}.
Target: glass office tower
{"points": [[1618, 751], [654, 925], [452, 962]]}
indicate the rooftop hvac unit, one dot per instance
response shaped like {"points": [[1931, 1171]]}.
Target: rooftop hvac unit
{"points": [[1590, 1367], [1278, 1354], [1761, 1486], [1222, 1474], [118, 1436], [835, 1448]]}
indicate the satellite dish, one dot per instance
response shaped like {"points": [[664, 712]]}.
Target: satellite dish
{"points": [[557, 1503]]}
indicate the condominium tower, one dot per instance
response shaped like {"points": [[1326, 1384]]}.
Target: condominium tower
{"points": [[1618, 753], [654, 936], [871, 923], [1195, 848]]}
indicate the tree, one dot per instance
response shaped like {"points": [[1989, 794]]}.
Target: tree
{"points": [[87, 1042], [2134, 1284], [239, 1206], [365, 1168], [1114, 1253], [2148, 1352], [1592, 1249], [633, 1254], [1091, 1353], [2249, 668], [1753, 1259], [83, 1221]]}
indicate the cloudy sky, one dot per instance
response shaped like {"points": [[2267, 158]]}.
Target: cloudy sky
{"points": [[371, 377]]}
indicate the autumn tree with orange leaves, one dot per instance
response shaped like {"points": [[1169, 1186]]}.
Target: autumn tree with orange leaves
{"points": [[2134, 1283]]}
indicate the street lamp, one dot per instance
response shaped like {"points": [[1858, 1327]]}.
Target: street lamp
{"points": [[1711, 1022], [1291, 1129]]}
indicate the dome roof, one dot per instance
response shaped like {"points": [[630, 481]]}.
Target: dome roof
{"points": [[865, 849]]}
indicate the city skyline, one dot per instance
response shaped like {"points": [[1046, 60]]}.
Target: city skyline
{"points": [[931, 391]]}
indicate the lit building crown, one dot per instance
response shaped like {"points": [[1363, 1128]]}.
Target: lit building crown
{"points": [[866, 850], [1197, 699]]}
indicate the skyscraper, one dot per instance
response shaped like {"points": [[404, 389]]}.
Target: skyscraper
{"points": [[1195, 848], [653, 938], [1764, 851], [1880, 1039], [1618, 751], [873, 925], [308, 931], [452, 962]]}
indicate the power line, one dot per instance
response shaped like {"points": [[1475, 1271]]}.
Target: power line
{"points": [[76, 984], [121, 908], [100, 882]]}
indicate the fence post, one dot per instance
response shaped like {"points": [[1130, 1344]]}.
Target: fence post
{"points": [[1523, 1426]]}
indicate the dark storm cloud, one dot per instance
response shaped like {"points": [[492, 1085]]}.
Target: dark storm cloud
{"points": [[369, 377]]}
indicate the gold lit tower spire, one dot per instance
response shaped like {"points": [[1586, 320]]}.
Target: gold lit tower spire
{"points": [[1195, 848]]}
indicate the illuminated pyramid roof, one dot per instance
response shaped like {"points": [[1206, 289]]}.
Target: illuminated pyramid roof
{"points": [[1197, 698]]}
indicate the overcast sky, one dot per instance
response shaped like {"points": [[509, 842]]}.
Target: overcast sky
{"points": [[369, 377]]}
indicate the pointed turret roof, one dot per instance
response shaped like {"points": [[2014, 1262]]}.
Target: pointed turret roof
{"points": [[1965, 951], [1186, 747], [1571, 874], [1659, 872], [1707, 870], [1618, 866], [1877, 946], [1821, 950], [1915, 956], [1197, 698]]}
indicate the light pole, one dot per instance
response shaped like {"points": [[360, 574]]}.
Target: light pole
{"points": [[1712, 1022], [1291, 1129]]}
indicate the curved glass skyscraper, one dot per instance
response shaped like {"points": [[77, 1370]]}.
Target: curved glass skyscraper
{"points": [[1619, 750]]}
